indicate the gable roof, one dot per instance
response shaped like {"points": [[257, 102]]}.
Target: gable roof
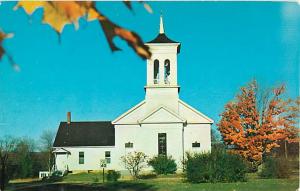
{"points": [[61, 150], [100, 133], [193, 111], [165, 116], [130, 111]]}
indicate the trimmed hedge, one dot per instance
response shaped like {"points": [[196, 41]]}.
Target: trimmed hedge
{"points": [[162, 164], [218, 166], [112, 176], [275, 168], [148, 176]]}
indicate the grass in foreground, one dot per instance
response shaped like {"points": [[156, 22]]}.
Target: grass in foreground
{"points": [[87, 182], [250, 185]]}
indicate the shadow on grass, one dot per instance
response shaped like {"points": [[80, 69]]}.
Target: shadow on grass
{"points": [[118, 186]]}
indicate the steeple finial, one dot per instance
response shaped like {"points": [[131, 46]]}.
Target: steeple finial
{"points": [[161, 25]]}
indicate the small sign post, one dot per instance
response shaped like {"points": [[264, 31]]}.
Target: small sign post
{"points": [[103, 165]]}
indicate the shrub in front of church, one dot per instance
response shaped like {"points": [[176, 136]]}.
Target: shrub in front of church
{"points": [[134, 162], [112, 176], [56, 176], [215, 167], [273, 167], [148, 176], [163, 164]]}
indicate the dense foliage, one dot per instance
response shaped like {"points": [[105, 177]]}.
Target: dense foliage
{"points": [[218, 166], [19, 158], [113, 176], [287, 150], [162, 164], [254, 123], [274, 167]]}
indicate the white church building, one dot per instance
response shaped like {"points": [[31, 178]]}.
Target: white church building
{"points": [[160, 124]]}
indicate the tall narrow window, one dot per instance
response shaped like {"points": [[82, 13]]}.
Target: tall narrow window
{"points": [[156, 72], [107, 157], [167, 71], [162, 143], [81, 157]]}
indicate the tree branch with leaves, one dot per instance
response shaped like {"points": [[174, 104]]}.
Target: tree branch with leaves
{"points": [[58, 14]]}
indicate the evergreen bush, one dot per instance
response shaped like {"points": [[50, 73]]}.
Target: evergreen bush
{"points": [[273, 167], [95, 179], [112, 176], [218, 166], [163, 164]]}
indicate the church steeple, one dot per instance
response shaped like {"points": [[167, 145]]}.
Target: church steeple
{"points": [[162, 37], [161, 25], [162, 87], [162, 67]]}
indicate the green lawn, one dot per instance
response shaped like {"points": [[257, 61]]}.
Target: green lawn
{"points": [[83, 178], [87, 182], [251, 185]]}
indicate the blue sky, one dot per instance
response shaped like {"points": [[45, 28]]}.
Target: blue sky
{"points": [[224, 46]]}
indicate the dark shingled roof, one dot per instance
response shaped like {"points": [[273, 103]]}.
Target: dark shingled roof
{"points": [[162, 38], [98, 133]]}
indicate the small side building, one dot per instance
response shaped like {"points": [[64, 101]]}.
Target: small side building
{"points": [[79, 146]]}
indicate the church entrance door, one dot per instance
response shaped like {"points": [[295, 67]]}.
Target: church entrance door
{"points": [[162, 143]]}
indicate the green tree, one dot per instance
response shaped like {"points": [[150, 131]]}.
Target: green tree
{"points": [[24, 151], [7, 146], [47, 139], [214, 136]]}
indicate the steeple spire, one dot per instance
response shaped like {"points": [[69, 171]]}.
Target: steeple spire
{"points": [[161, 25], [161, 37]]}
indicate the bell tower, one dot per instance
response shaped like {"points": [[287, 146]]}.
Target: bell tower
{"points": [[162, 87]]}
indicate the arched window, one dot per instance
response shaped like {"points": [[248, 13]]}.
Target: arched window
{"points": [[167, 71], [156, 72]]}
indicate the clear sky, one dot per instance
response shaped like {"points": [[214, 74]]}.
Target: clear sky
{"points": [[224, 46]]}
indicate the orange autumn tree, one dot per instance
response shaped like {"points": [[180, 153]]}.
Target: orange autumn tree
{"points": [[254, 123]]}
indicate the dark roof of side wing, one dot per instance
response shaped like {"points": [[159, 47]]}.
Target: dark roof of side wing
{"points": [[98, 133]]}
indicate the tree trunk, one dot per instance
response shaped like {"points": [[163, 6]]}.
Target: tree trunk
{"points": [[285, 149], [2, 176], [49, 162]]}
